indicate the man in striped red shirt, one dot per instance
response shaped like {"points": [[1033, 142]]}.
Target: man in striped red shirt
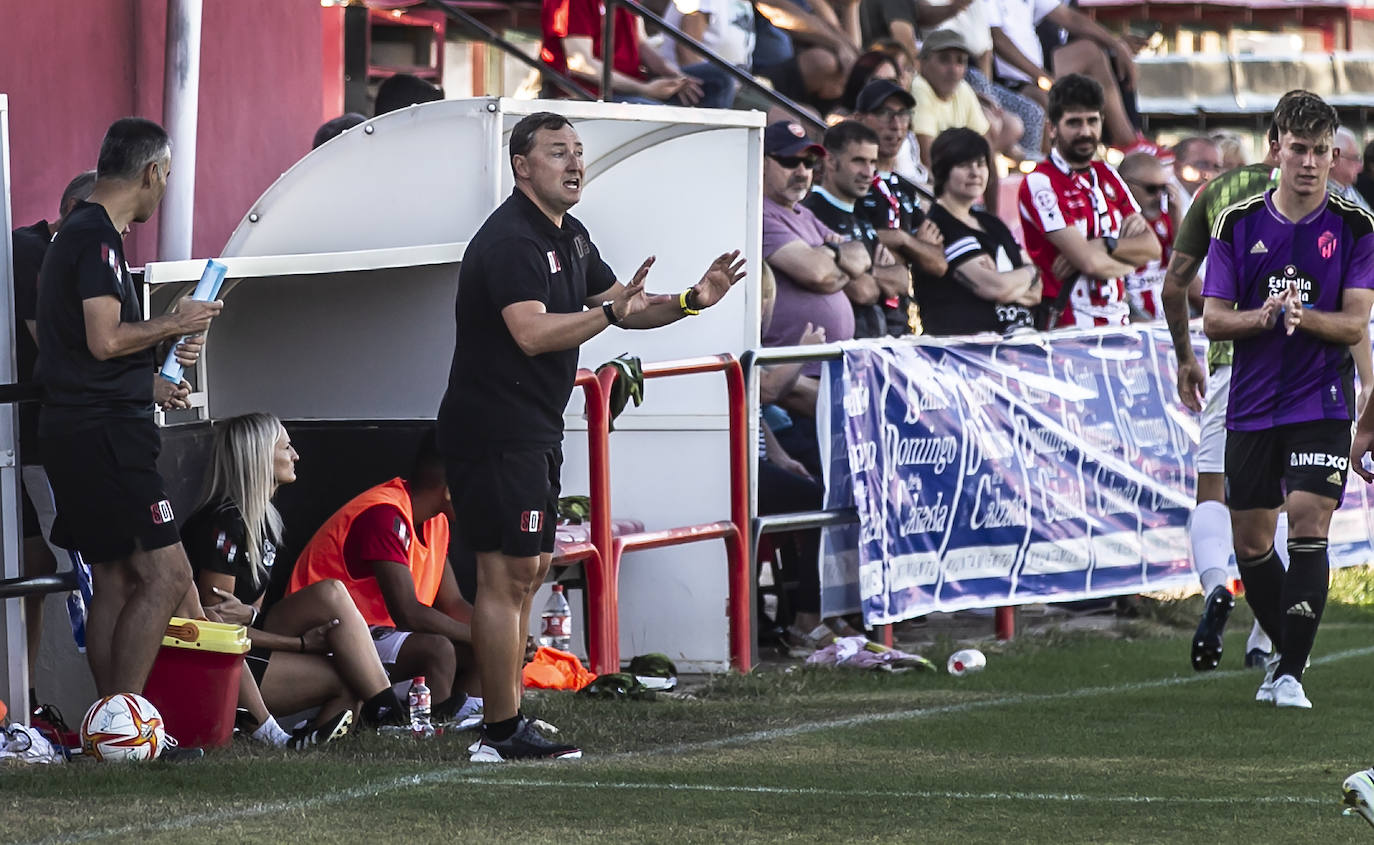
{"points": [[1082, 227]]}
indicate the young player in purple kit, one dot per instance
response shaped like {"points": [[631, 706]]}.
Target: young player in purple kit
{"points": [[1289, 280]]}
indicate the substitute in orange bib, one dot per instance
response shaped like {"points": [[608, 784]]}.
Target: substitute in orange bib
{"points": [[1082, 227], [389, 547]]}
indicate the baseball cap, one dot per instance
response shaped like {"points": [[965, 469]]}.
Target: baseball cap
{"points": [[877, 92], [788, 138], [944, 39]]}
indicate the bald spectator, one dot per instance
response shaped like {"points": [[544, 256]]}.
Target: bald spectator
{"points": [[1197, 160], [1364, 183], [1346, 167], [1158, 198], [1235, 150]]}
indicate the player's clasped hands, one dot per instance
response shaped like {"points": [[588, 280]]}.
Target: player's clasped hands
{"points": [[1293, 310], [1271, 309]]}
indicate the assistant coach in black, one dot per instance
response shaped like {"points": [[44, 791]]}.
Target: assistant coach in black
{"points": [[100, 444], [532, 289]]}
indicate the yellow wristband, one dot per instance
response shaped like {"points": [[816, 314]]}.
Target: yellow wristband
{"points": [[682, 302]]}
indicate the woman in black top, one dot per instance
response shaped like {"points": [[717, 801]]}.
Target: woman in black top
{"points": [[990, 284], [314, 650]]}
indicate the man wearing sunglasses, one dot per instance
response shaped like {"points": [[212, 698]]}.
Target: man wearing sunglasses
{"points": [[1158, 199], [813, 268]]}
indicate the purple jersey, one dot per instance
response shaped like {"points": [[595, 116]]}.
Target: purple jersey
{"points": [[1276, 378]]}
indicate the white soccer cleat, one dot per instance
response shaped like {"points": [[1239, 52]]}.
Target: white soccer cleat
{"points": [[1358, 790], [1288, 693], [1265, 693]]}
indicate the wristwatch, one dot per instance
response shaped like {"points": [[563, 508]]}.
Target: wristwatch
{"points": [[1110, 242], [609, 311]]}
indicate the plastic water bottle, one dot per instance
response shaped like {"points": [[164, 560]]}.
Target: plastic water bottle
{"points": [[966, 661], [418, 700], [556, 631]]}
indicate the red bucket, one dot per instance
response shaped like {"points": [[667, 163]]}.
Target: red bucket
{"points": [[195, 681]]}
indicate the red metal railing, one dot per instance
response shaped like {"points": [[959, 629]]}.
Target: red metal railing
{"points": [[734, 532], [601, 556]]}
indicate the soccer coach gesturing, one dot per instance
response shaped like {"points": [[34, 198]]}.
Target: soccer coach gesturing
{"points": [[532, 289]]}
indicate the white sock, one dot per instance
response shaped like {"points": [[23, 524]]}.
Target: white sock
{"points": [[1209, 534], [270, 733], [1258, 640], [1281, 538]]}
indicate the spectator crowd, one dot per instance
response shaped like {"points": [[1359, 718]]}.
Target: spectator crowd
{"points": [[885, 225]]}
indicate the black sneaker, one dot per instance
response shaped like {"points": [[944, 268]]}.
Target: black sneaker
{"points": [[525, 744], [1255, 658], [174, 753], [332, 729], [1207, 640]]}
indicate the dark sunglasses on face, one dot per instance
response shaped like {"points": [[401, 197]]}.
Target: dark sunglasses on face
{"points": [[1148, 188], [793, 162]]}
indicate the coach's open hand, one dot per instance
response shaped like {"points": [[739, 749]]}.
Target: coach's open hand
{"points": [[718, 279]]}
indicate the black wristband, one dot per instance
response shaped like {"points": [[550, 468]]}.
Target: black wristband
{"points": [[609, 311]]}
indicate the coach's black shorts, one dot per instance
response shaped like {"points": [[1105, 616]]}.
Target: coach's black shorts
{"points": [[107, 489], [507, 501], [1262, 466]]}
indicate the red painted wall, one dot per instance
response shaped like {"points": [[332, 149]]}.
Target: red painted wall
{"points": [[69, 75]]}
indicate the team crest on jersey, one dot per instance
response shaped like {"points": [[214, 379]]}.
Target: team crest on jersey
{"points": [[1326, 244], [554, 264], [582, 245], [402, 532], [162, 512], [1109, 190]]}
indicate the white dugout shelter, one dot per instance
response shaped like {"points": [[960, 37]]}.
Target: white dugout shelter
{"points": [[339, 319]]}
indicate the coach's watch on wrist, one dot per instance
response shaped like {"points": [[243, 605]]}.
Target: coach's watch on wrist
{"points": [[609, 310], [1110, 242]]}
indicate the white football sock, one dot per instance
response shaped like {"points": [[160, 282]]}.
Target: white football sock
{"points": [[1258, 640], [1209, 534], [270, 733]]}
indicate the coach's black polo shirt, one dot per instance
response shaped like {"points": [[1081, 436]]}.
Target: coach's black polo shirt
{"points": [[497, 395], [85, 261]]}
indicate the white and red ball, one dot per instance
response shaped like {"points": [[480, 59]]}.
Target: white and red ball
{"points": [[123, 726]]}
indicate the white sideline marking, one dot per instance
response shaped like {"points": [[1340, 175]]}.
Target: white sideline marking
{"points": [[469, 774]]}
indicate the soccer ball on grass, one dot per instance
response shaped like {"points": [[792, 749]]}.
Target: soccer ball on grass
{"points": [[123, 726]]}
